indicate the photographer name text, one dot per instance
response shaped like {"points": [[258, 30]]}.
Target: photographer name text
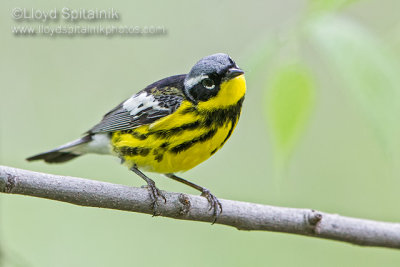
{"points": [[65, 13]]}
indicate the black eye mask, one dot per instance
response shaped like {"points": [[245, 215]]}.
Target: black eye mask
{"points": [[201, 93]]}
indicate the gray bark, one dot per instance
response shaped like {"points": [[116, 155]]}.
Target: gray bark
{"points": [[242, 215]]}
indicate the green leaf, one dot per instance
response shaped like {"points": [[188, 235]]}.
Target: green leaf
{"points": [[366, 69], [290, 98]]}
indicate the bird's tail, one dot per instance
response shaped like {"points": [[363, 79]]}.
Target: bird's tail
{"points": [[63, 153]]}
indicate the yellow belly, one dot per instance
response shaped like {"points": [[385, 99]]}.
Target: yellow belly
{"points": [[156, 158]]}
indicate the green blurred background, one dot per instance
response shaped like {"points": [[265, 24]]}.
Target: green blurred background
{"points": [[318, 129]]}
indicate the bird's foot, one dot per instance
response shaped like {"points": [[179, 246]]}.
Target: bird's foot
{"points": [[154, 194], [214, 203]]}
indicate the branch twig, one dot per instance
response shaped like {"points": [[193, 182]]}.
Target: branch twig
{"points": [[242, 215]]}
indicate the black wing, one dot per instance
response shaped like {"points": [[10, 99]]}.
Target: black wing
{"points": [[152, 103]]}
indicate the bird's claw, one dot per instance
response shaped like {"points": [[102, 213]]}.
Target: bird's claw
{"points": [[214, 203], [155, 194]]}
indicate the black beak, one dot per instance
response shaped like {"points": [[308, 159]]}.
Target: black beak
{"points": [[233, 72]]}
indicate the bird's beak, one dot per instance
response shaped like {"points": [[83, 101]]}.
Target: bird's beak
{"points": [[233, 72]]}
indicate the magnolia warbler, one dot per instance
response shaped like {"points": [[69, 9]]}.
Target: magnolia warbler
{"points": [[170, 126]]}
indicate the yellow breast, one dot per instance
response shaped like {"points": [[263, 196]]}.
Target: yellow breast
{"points": [[185, 138]]}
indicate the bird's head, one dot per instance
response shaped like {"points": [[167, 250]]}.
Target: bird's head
{"points": [[215, 81]]}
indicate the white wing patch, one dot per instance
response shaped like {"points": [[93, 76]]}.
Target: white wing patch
{"points": [[137, 103]]}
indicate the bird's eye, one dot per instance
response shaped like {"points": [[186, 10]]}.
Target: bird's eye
{"points": [[208, 83]]}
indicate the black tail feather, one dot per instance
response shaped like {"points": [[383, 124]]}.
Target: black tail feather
{"points": [[62, 153], [54, 157]]}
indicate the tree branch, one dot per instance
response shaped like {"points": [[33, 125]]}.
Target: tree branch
{"points": [[242, 215]]}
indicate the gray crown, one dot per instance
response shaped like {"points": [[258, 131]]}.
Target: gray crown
{"points": [[213, 63]]}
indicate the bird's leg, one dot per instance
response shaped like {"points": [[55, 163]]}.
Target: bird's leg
{"points": [[212, 200], [154, 192]]}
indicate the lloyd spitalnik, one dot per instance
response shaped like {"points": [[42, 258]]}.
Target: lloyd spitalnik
{"points": [[66, 14]]}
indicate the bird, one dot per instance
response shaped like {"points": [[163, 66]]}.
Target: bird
{"points": [[169, 127]]}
